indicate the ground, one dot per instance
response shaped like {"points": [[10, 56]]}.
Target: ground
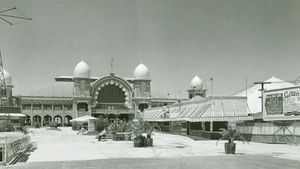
{"points": [[66, 149]]}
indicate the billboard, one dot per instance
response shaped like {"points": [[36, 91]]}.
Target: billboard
{"points": [[282, 104]]}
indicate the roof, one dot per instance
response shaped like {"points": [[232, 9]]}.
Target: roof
{"points": [[54, 89], [253, 93], [220, 108], [85, 118]]}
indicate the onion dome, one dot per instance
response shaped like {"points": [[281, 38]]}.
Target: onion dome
{"points": [[82, 70], [7, 77], [196, 83], [141, 72]]}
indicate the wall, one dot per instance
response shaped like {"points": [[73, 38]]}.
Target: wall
{"points": [[267, 132]]}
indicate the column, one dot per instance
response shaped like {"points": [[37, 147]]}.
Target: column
{"points": [[52, 105], [188, 125], [89, 108], [63, 115], [31, 120], [42, 120], [42, 107], [211, 125], [75, 109]]}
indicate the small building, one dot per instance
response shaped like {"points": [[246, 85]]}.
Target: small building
{"points": [[201, 115]]}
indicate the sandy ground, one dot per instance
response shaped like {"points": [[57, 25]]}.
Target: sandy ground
{"points": [[66, 145], [238, 161]]}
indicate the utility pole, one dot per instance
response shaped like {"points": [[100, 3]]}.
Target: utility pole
{"points": [[262, 92]]}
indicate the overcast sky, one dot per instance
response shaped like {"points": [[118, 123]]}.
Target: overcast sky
{"points": [[176, 39]]}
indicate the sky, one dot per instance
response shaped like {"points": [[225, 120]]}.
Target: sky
{"points": [[229, 40]]}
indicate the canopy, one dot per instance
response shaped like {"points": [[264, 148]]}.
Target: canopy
{"points": [[217, 108], [85, 118], [12, 115]]}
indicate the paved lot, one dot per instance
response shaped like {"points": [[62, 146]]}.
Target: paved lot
{"points": [[224, 162], [65, 149]]}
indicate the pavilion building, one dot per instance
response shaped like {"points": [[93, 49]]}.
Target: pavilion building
{"points": [[110, 96]]}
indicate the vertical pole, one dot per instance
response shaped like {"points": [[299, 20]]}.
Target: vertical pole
{"points": [[213, 103], [294, 132], [6, 158]]}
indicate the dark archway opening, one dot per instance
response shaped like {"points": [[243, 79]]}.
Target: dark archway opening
{"points": [[82, 107], [58, 119], [47, 120], [111, 97], [143, 106]]}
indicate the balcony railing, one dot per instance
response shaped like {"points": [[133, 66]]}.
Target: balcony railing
{"points": [[110, 106]]}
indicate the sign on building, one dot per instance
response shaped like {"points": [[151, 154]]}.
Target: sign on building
{"points": [[282, 104]]}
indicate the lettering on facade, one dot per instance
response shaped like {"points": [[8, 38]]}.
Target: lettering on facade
{"points": [[292, 93]]}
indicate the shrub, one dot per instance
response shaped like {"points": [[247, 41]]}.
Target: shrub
{"points": [[6, 125], [101, 124]]}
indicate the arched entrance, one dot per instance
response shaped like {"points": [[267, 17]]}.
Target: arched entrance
{"points": [[58, 119], [36, 120], [112, 96], [27, 121], [143, 106], [82, 107], [67, 120], [47, 120]]}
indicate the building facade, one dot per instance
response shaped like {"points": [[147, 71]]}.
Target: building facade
{"points": [[110, 96]]}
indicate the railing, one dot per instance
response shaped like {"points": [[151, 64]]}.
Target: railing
{"points": [[6, 109], [11, 150], [26, 111], [110, 106]]}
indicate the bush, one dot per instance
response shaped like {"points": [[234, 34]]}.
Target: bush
{"points": [[101, 124], [75, 126], [6, 125]]}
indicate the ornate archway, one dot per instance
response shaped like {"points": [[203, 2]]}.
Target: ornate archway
{"points": [[111, 93]]}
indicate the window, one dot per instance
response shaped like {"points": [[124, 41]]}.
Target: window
{"points": [[37, 107], [26, 106], [68, 107], [47, 107], [57, 107]]}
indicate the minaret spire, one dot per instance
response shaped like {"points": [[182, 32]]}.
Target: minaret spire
{"points": [[112, 65]]}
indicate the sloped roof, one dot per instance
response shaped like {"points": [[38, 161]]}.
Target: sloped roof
{"points": [[54, 89], [253, 93], [218, 108]]}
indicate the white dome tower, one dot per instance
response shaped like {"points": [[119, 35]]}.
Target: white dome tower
{"points": [[141, 72], [7, 77], [8, 86], [82, 86], [197, 88], [197, 83], [82, 70], [141, 86]]}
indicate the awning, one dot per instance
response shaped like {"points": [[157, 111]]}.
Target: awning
{"points": [[218, 108], [83, 119], [12, 115]]}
